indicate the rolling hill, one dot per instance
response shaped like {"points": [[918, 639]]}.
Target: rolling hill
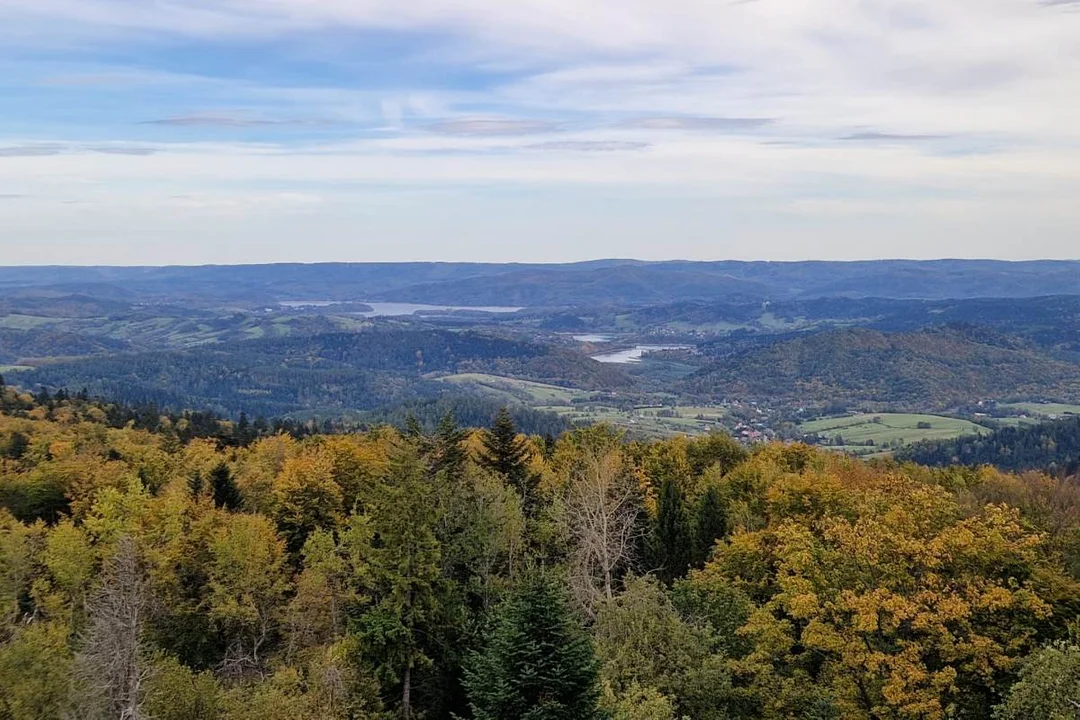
{"points": [[932, 369], [331, 372]]}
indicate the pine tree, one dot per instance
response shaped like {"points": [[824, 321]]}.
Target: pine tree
{"points": [[413, 428], [710, 525], [671, 534], [448, 453], [196, 484], [223, 487], [508, 455], [538, 663], [243, 430], [401, 556]]}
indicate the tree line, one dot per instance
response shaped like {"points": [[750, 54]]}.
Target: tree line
{"points": [[1052, 446]]}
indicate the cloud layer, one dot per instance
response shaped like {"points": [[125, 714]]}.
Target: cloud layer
{"points": [[786, 128]]}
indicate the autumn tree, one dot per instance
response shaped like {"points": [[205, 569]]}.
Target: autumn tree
{"points": [[874, 587], [35, 672], [317, 614], [247, 586], [601, 506], [175, 692], [306, 497]]}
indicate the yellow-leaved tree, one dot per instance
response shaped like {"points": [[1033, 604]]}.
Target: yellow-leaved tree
{"points": [[876, 586]]}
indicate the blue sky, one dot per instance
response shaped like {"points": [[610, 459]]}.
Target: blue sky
{"points": [[194, 131]]}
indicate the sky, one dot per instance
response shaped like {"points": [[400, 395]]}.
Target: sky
{"points": [[242, 131]]}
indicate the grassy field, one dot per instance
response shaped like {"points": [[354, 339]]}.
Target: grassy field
{"points": [[888, 429], [568, 403], [14, 368], [24, 322], [512, 389], [1017, 421], [1045, 409], [647, 422]]}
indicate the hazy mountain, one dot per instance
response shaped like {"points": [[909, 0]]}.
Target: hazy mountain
{"points": [[609, 281]]}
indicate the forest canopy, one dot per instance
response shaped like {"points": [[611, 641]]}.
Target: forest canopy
{"points": [[483, 573]]}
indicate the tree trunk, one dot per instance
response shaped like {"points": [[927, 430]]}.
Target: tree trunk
{"points": [[406, 691]]}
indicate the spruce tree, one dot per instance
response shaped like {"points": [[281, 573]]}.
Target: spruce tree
{"points": [[508, 455], [223, 487], [538, 663], [196, 484], [448, 453], [413, 428], [243, 429], [710, 525], [671, 534]]}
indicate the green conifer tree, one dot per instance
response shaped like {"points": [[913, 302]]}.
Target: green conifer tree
{"points": [[538, 663], [508, 455], [223, 487], [448, 453], [671, 534], [710, 525]]}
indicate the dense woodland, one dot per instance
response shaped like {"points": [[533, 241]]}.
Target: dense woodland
{"points": [[376, 368], [933, 369], [486, 574], [1054, 446]]}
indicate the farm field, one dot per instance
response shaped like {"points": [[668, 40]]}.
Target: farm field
{"points": [[1045, 409], [1017, 421], [890, 429], [646, 422], [23, 322], [515, 390], [569, 403]]}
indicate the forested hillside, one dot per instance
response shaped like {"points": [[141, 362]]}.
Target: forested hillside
{"points": [[1046, 446], [377, 367], [484, 574], [938, 368], [20, 345]]}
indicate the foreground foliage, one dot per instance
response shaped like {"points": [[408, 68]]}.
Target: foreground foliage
{"points": [[486, 574]]}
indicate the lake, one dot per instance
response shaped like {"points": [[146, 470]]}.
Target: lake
{"points": [[593, 338], [392, 309], [634, 354]]}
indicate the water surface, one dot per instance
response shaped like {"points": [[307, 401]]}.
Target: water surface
{"points": [[395, 309], [634, 354]]}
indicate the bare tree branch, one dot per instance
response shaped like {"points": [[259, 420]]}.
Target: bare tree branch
{"points": [[113, 663]]}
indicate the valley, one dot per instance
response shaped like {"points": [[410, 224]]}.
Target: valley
{"points": [[789, 351]]}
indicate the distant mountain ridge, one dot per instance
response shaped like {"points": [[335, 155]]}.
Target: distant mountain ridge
{"points": [[615, 281]]}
